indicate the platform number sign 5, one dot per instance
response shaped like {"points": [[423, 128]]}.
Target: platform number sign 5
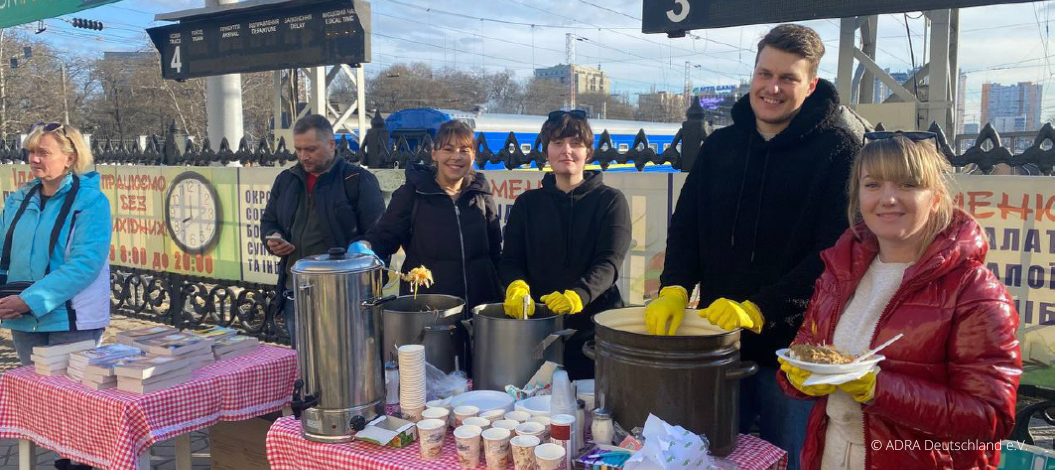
{"points": [[177, 65], [681, 6]]}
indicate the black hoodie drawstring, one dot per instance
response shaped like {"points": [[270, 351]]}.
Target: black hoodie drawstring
{"points": [[740, 198], [758, 213]]}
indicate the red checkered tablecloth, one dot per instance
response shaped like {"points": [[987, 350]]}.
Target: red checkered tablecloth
{"points": [[111, 428], [287, 450]]}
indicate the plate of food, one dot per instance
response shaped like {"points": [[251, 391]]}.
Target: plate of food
{"points": [[826, 359]]}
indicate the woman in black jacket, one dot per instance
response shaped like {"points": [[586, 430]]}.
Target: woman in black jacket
{"points": [[567, 239], [445, 219]]}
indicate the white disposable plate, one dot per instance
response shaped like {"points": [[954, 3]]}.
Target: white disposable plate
{"points": [[866, 364], [537, 405], [484, 400]]}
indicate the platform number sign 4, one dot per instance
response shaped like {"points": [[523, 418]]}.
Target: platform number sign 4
{"points": [[676, 14], [175, 63], [193, 213]]}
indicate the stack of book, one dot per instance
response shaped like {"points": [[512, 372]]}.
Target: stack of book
{"points": [[145, 374], [196, 349], [54, 360], [94, 367], [215, 333], [234, 347], [131, 336]]}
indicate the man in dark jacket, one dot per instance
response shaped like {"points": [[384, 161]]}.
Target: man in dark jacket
{"points": [[320, 203], [765, 196]]}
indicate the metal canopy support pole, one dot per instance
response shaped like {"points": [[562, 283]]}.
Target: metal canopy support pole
{"points": [[223, 102], [869, 27], [317, 91], [939, 103], [844, 79], [360, 94]]}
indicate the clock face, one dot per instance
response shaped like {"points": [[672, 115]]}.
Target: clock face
{"points": [[192, 210]]}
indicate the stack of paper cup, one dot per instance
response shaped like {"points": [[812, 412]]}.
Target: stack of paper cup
{"points": [[467, 439], [505, 424], [477, 421], [496, 448], [549, 457], [493, 415], [412, 381], [518, 416], [531, 428], [431, 433], [524, 452]]}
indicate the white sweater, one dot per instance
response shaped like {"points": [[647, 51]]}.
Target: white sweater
{"points": [[844, 441]]}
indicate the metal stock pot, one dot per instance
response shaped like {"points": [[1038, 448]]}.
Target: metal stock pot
{"points": [[693, 378], [508, 351], [428, 319]]}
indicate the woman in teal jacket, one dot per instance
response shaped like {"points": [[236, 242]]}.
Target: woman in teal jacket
{"points": [[56, 231]]}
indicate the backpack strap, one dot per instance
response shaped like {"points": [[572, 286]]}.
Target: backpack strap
{"points": [[67, 205], [351, 189], [5, 258]]}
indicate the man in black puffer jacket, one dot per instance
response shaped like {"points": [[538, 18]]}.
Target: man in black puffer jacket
{"points": [[765, 196]]}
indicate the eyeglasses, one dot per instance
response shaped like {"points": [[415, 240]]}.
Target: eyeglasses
{"points": [[915, 136], [575, 114]]}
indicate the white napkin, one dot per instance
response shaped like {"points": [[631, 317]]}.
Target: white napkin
{"points": [[669, 448], [837, 379]]}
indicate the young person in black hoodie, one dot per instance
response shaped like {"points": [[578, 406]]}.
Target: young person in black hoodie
{"points": [[765, 196], [567, 239], [445, 218]]}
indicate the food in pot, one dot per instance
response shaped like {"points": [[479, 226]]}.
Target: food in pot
{"points": [[822, 354], [419, 276]]}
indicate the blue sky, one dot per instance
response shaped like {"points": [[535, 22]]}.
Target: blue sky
{"points": [[1002, 43]]}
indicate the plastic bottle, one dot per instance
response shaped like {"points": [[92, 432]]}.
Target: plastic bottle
{"points": [[391, 383], [602, 428], [580, 424]]}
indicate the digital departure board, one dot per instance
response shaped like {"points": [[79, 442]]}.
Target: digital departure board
{"points": [[672, 16], [266, 37]]}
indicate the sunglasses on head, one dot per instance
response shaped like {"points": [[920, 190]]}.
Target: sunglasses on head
{"points": [[915, 136], [575, 114], [48, 127]]}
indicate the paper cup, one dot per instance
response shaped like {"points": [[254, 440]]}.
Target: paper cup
{"points": [[496, 448], [518, 416], [431, 433], [530, 428], [437, 413], [549, 456], [468, 443], [524, 451], [493, 415], [412, 414], [462, 412], [477, 421], [545, 422], [505, 424]]}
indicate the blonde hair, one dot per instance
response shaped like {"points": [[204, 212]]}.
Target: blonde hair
{"points": [[901, 160], [70, 141]]}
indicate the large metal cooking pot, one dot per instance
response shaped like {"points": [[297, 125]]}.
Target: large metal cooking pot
{"points": [[693, 378], [428, 319], [509, 351], [338, 343]]}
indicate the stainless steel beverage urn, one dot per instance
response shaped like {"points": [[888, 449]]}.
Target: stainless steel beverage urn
{"points": [[338, 343]]}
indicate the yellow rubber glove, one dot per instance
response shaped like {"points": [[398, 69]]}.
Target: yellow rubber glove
{"points": [[669, 306], [567, 303], [796, 376], [514, 304], [863, 389], [730, 315]]}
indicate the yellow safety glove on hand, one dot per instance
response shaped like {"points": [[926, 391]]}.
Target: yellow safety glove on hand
{"points": [[514, 303], [566, 303], [670, 305], [796, 376], [730, 315], [863, 389]]}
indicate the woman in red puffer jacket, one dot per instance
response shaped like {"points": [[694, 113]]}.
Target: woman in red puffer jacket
{"points": [[945, 394]]}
